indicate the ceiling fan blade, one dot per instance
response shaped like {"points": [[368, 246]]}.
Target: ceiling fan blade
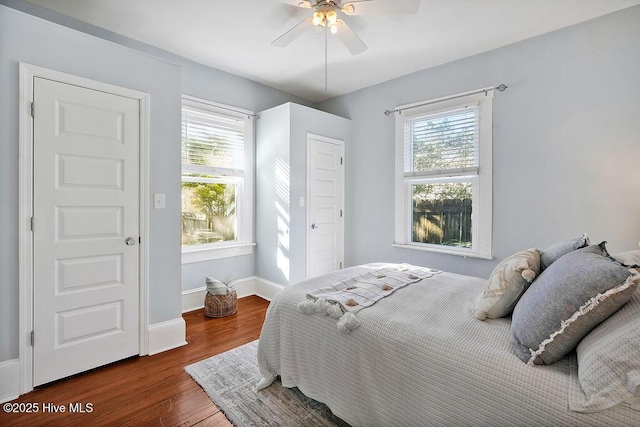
{"points": [[300, 3], [293, 33], [349, 38], [381, 7]]}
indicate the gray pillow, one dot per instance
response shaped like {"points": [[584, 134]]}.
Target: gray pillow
{"points": [[567, 300], [555, 251], [609, 361]]}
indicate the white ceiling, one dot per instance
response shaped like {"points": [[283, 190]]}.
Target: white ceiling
{"points": [[235, 35]]}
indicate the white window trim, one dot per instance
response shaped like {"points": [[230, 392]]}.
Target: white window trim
{"points": [[199, 254], [243, 245], [482, 218]]}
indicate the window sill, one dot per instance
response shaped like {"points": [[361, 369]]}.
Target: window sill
{"points": [[198, 255], [444, 251]]}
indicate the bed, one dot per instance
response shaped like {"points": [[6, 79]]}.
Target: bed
{"points": [[420, 357]]}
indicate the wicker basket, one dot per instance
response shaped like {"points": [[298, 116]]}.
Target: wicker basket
{"points": [[220, 305]]}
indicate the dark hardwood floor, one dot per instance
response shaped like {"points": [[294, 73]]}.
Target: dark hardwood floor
{"points": [[149, 390]]}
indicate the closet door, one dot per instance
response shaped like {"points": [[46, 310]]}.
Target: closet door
{"points": [[325, 189], [86, 229]]}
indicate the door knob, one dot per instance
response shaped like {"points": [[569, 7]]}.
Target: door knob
{"points": [[314, 226], [130, 241]]}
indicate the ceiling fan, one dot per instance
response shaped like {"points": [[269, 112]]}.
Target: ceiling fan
{"points": [[329, 14]]}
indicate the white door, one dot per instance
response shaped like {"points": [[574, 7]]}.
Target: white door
{"points": [[325, 232], [86, 203]]}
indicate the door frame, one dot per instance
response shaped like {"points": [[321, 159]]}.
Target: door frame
{"points": [[25, 236], [340, 143]]}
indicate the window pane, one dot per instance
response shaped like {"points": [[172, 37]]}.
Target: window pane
{"points": [[208, 213], [443, 142], [441, 214]]}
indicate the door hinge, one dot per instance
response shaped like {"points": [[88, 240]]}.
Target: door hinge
{"points": [[340, 157], [139, 239], [340, 268], [33, 110], [32, 338], [340, 213], [32, 223]]}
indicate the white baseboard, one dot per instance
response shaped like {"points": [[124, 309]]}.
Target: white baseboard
{"points": [[9, 380], [193, 299], [267, 289], [167, 335]]}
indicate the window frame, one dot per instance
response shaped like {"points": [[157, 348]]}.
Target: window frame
{"points": [[482, 198], [243, 245]]}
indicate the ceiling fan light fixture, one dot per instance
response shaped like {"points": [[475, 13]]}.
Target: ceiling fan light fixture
{"points": [[318, 18], [332, 17], [334, 29], [348, 9], [305, 4]]}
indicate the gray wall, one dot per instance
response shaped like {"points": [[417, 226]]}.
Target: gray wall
{"points": [[566, 143], [282, 145]]}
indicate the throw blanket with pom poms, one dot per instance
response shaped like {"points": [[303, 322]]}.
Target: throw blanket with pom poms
{"points": [[343, 299]]}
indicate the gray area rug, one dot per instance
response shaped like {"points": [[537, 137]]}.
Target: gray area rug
{"points": [[230, 378]]}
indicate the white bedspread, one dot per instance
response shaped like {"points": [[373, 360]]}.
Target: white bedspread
{"points": [[419, 358]]}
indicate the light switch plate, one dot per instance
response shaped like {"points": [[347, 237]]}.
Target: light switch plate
{"points": [[302, 202], [158, 201]]}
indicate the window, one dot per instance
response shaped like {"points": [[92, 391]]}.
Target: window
{"points": [[443, 175], [217, 177]]}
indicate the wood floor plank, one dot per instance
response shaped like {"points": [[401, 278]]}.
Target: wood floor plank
{"points": [[149, 390]]}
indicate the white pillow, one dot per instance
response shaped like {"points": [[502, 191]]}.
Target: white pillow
{"points": [[507, 283], [628, 258], [608, 362]]}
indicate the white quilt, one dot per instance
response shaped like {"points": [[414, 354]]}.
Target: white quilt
{"points": [[419, 358]]}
